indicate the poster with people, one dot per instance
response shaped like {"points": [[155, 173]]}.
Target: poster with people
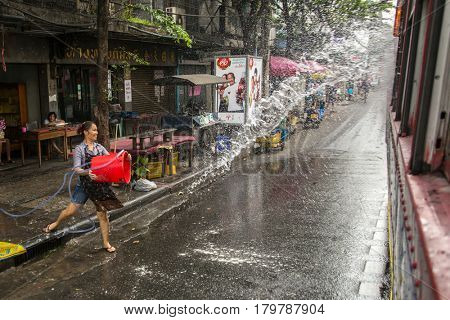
{"points": [[254, 77], [231, 97]]}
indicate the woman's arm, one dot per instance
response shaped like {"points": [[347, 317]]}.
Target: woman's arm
{"points": [[77, 162], [104, 151]]}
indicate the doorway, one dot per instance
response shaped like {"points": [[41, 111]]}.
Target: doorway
{"points": [[77, 93]]}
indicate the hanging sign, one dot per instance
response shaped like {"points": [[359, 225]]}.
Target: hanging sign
{"points": [[127, 84], [109, 86], [159, 90]]}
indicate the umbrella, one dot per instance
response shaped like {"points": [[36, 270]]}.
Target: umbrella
{"points": [[304, 68], [315, 66], [283, 67]]}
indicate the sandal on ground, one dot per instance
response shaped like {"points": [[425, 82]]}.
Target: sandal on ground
{"points": [[10, 161], [110, 249], [47, 228]]}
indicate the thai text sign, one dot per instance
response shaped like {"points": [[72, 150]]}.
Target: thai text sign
{"points": [[127, 85], [152, 55]]}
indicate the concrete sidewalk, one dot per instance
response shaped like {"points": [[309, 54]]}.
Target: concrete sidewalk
{"points": [[23, 188]]}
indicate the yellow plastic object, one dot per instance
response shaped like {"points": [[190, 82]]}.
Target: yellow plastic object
{"points": [[272, 141], [261, 140], [318, 76], [293, 120], [275, 140], [8, 250], [175, 159], [154, 170]]}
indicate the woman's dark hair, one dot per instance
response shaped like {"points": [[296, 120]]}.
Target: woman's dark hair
{"points": [[51, 114], [85, 126]]}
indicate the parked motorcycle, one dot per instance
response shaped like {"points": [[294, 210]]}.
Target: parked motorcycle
{"points": [[311, 118]]}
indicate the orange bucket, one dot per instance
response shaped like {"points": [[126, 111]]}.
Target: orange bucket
{"points": [[118, 171]]}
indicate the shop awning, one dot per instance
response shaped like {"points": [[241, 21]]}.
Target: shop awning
{"points": [[283, 67], [315, 66], [189, 79]]}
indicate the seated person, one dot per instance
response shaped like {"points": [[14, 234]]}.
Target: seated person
{"points": [[53, 121]]}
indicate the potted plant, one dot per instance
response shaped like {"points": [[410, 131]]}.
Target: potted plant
{"points": [[140, 175], [140, 172]]}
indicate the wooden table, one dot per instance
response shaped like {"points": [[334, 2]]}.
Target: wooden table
{"points": [[166, 133], [39, 135], [166, 147]]}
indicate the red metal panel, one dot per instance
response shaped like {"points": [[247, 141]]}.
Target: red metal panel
{"points": [[420, 209]]}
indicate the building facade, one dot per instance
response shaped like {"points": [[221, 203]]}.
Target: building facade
{"points": [[50, 53]]}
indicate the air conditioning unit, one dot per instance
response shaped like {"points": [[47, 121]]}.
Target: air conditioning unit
{"points": [[178, 14]]}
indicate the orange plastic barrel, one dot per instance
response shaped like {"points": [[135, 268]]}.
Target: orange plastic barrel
{"points": [[118, 171]]}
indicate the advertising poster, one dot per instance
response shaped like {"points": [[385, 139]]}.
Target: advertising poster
{"points": [[254, 80], [231, 97]]}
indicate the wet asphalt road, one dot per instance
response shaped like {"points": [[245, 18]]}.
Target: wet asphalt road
{"points": [[308, 222]]}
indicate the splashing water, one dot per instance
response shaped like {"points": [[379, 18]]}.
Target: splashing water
{"points": [[291, 93]]}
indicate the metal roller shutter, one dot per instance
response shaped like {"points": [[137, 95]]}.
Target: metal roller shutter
{"points": [[144, 95]]}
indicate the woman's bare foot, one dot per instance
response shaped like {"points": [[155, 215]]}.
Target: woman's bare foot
{"points": [[109, 248], [50, 227]]}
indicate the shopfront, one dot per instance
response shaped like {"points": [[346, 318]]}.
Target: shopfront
{"points": [[24, 94], [77, 92], [132, 66], [199, 95], [162, 62], [25, 58], [152, 99]]}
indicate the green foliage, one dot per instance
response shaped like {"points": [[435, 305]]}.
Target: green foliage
{"points": [[141, 167], [159, 20], [307, 24], [132, 56]]}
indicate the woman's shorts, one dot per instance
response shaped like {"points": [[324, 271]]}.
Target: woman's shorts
{"points": [[79, 196]]}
